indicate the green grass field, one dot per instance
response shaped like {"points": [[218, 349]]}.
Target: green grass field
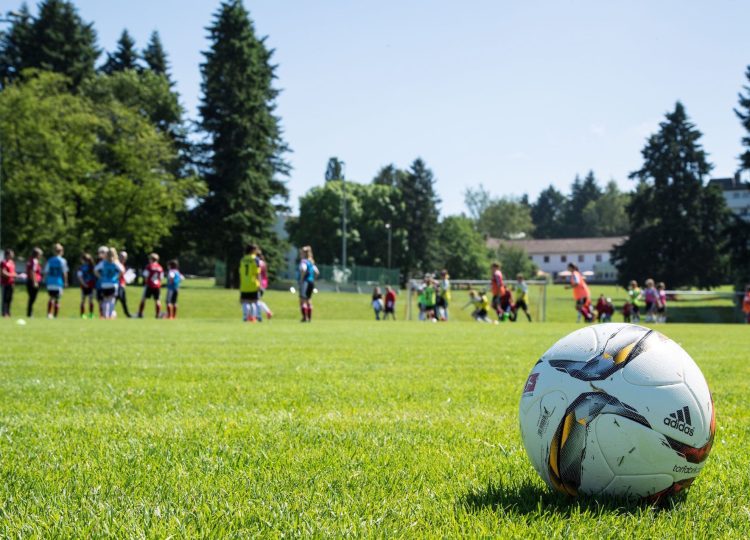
{"points": [[214, 428]]}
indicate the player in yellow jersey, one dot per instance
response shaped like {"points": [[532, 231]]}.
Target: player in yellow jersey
{"points": [[250, 266]]}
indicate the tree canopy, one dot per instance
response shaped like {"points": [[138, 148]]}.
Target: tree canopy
{"points": [[677, 223]]}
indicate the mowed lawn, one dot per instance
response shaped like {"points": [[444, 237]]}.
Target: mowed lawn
{"points": [[211, 427]]}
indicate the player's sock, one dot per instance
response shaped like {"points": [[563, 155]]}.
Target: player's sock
{"points": [[309, 312], [158, 308], [174, 311], [245, 311], [56, 308], [141, 308], [303, 310]]}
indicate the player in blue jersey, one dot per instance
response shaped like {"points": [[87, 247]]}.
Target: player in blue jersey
{"points": [[56, 279], [108, 272], [174, 278], [306, 274]]}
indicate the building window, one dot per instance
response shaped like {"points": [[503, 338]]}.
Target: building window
{"points": [[599, 258], [563, 258], [581, 258], [546, 258]]}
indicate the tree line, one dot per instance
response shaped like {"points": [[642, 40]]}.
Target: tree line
{"points": [[97, 150]]}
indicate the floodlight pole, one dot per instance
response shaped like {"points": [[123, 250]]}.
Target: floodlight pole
{"points": [[343, 218]]}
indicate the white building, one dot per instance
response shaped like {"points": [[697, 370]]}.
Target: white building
{"points": [[736, 194], [552, 255]]}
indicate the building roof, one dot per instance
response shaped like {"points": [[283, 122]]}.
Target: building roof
{"points": [[548, 246], [730, 184]]}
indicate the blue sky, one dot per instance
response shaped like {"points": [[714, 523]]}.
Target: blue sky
{"points": [[515, 95]]}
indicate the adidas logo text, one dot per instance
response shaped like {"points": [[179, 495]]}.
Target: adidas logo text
{"points": [[680, 420]]}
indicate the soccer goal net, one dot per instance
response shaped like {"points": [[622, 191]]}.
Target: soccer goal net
{"points": [[460, 308], [718, 306]]}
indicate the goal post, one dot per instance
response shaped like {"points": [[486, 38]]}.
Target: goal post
{"points": [[537, 296]]}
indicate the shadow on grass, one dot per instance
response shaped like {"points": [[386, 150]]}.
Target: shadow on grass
{"points": [[529, 498]]}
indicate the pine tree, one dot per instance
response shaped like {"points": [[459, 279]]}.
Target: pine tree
{"points": [[15, 44], [389, 175], [124, 58], [581, 194], [548, 213], [420, 217], [743, 113], [334, 169], [677, 224], [245, 149], [156, 57], [61, 42]]}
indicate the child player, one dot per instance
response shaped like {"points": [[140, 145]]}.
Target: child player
{"points": [[377, 303], [250, 283], [33, 279], [56, 279], [307, 272], [522, 290], [263, 308], [174, 278], [634, 295], [430, 298], [152, 274], [481, 306], [444, 295], [498, 288], [390, 303], [661, 310], [8, 280], [109, 271], [87, 282]]}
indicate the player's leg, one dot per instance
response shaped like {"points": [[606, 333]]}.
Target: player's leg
{"points": [[32, 292], [122, 297], [157, 297], [142, 305], [56, 307]]}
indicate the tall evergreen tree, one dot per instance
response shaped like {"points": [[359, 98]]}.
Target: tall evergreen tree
{"points": [[582, 192], [57, 39], [548, 212], [125, 56], [389, 175], [743, 113], [156, 57], [245, 148], [15, 44], [421, 216], [334, 169], [677, 223]]}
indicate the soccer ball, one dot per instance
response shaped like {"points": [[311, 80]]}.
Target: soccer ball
{"points": [[617, 410]]}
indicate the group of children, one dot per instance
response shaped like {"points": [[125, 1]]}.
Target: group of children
{"points": [[384, 305], [253, 274], [653, 300], [106, 279], [434, 297], [502, 303]]}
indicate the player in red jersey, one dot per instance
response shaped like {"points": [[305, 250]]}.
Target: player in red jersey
{"points": [[152, 275], [33, 278], [8, 280]]}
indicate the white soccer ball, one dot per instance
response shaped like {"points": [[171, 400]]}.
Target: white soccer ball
{"points": [[292, 290], [617, 410]]}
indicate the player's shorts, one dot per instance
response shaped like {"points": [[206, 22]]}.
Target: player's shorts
{"points": [[389, 308], [496, 302], [635, 309], [306, 290], [480, 313], [151, 292], [521, 304], [582, 302], [54, 293], [109, 291], [431, 307], [661, 309], [87, 291], [249, 296], [172, 296]]}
